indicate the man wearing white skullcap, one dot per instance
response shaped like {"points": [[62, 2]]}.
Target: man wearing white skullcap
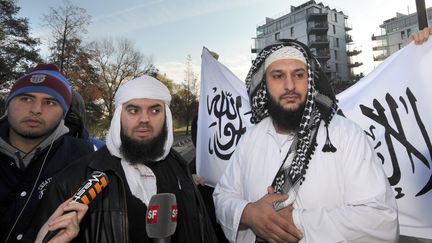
{"points": [[139, 163], [302, 173]]}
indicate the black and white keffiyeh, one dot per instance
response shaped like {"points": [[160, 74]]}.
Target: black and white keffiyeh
{"points": [[320, 105]]}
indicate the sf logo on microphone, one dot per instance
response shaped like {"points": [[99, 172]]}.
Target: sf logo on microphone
{"points": [[152, 214], [174, 212]]}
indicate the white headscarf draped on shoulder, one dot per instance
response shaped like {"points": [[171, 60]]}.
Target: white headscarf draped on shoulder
{"points": [[142, 87]]}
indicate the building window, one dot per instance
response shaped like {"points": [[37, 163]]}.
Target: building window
{"points": [[335, 54], [408, 32], [337, 67], [334, 29], [292, 31], [403, 34], [335, 17], [337, 42], [277, 36]]}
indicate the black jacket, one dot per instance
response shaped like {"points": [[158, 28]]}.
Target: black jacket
{"points": [[107, 218], [16, 185]]}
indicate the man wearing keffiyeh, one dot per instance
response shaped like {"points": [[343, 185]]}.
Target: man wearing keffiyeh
{"points": [[303, 173]]}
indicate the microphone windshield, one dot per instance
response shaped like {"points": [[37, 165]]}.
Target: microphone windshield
{"points": [[161, 216], [85, 194], [91, 187]]}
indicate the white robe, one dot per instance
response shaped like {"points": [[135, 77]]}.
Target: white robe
{"points": [[346, 196]]}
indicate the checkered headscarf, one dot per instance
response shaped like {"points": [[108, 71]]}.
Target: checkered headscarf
{"points": [[320, 104]]}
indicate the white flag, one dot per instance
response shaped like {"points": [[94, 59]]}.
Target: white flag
{"points": [[223, 117], [393, 104]]}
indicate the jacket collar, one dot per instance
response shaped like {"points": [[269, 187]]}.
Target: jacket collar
{"points": [[103, 161]]}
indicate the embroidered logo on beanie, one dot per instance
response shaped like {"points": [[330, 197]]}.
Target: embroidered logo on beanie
{"points": [[44, 78], [37, 78]]}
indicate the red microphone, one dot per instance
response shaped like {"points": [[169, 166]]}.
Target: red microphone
{"points": [[93, 186]]}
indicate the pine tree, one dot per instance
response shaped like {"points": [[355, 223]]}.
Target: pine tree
{"points": [[18, 50]]}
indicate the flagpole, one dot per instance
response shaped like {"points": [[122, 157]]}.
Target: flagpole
{"points": [[421, 14]]}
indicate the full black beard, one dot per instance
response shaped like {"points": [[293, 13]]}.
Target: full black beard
{"points": [[288, 120], [143, 152]]}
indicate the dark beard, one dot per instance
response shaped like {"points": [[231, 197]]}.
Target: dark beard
{"points": [[143, 152], [287, 120]]}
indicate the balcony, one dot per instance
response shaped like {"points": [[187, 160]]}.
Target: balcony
{"points": [[348, 38], [257, 44], [356, 77], [380, 57], [323, 55], [379, 37], [318, 28], [353, 53], [319, 42], [316, 16], [348, 26], [354, 64], [379, 48]]}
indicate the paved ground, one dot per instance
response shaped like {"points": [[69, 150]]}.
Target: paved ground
{"points": [[183, 144]]}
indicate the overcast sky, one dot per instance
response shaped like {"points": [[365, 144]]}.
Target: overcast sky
{"points": [[169, 30]]}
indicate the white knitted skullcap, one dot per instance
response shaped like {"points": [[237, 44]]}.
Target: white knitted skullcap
{"points": [[286, 52]]}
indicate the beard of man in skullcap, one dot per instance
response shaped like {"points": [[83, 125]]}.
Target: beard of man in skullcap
{"points": [[288, 120], [143, 152]]}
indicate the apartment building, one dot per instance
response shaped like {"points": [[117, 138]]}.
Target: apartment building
{"points": [[325, 30], [395, 33]]}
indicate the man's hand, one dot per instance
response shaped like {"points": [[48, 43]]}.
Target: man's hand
{"points": [[198, 180], [67, 218], [268, 224], [421, 36]]}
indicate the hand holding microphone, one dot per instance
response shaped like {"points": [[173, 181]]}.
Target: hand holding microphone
{"points": [[161, 214], [75, 211], [67, 217]]}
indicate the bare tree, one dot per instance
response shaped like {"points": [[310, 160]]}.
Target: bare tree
{"points": [[191, 91], [67, 24], [191, 78], [117, 62]]}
